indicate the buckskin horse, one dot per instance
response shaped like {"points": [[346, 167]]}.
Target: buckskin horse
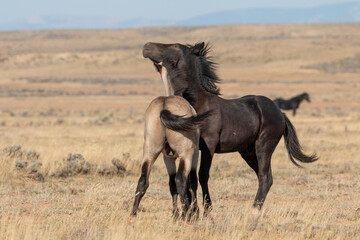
{"points": [[251, 125], [172, 127], [292, 103]]}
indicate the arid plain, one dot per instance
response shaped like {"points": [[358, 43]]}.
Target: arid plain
{"points": [[72, 109]]}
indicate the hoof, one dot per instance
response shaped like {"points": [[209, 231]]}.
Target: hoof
{"points": [[175, 215], [207, 210], [193, 214], [253, 218], [255, 211]]}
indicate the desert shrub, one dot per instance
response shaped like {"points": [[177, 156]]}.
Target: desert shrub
{"points": [[16, 161], [73, 164], [118, 168], [31, 168], [20, 162]]}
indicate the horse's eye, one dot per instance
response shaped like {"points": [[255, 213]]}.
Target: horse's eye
{"points": [[176, 62]]}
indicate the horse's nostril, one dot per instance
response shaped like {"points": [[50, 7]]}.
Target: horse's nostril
{"points": [[146, 52]]}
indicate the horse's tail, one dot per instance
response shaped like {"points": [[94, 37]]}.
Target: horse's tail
{"points": [[293, 146], [179, 123]]}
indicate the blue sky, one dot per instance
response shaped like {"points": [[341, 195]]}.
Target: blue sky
{"points": [[12, 10]]}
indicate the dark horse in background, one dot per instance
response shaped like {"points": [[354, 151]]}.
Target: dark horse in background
{"points": [[292, 103], [251, 125]]}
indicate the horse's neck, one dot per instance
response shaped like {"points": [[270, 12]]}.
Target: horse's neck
{"points": [[195, 97], [297, 99], [300, 98], [166, 81], [201, 100]]}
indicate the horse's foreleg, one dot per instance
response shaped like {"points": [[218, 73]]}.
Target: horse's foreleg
{"points": [[171, 169], [205, 164], [181, 180]]}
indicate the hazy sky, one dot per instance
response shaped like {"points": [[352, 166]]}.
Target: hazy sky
{"points": [[11, 10]]}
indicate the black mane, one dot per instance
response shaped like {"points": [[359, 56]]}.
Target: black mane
{"points": [[206, 68]]}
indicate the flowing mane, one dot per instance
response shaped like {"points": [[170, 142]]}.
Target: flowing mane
{"points": [[207, 70]]}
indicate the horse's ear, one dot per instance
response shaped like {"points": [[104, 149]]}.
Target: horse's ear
{"points": [[197, 48]]}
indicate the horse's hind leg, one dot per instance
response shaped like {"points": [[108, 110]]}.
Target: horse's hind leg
{"points": [[264, 149], [143, 183], [171, 169], [258, 157], [193, 185], [249, 156], [181, 180]]}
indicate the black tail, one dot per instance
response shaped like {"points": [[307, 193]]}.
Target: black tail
{"points": [[293, 146], [179, 123]]}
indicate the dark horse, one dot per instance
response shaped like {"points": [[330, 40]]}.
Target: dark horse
{"points": [[251, 125], [292, 103]]}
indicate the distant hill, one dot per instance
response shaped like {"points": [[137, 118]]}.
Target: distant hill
{"points": [[335, 13], [75, 22]]}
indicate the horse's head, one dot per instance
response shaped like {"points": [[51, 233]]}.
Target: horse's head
{"points": [[186, 65], [176, 54], [306, 97]]}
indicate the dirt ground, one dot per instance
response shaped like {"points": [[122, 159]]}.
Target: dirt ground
{"points": [[72, 109]]}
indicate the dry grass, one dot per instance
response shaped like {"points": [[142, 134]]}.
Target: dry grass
{"points": [[86, 92]]}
